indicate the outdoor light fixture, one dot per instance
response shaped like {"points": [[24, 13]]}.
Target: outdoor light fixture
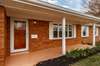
{"points": [[34, 22]]}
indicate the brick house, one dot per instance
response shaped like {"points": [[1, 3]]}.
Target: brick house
{"points": [[34, 25]]}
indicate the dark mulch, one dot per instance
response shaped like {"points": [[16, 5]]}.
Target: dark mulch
{"points": [[60, 61]]}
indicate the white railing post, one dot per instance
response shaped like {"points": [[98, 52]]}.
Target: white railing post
{"points": [[63, 36], [94, 35]]}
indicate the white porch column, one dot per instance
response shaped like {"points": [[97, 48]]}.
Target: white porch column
{"points": [[63, 36], [94, 35]]}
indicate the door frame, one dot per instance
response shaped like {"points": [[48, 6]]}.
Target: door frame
{"points": [[12, 35]]}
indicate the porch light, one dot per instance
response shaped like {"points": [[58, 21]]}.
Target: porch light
{"points": [[34, 22]]}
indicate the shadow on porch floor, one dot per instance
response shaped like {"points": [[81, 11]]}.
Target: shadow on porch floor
{"points": [[30, 59]]}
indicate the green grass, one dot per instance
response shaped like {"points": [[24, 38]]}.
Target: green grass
{"points": [[90, 61]]}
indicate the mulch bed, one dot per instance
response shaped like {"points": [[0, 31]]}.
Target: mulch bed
{"points": [[60, 61]]}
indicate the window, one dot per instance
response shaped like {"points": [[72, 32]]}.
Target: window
{"points": [[55, 31], [69, 30], [97, 32], [20, 25], [85, 31]]}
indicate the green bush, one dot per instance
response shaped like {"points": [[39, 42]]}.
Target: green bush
{"points": [[81, 53], [97, 48], [85, 53], [73, 54]]}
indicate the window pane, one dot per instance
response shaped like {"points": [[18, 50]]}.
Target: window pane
{"points": [[55, 34], [20, 25], [55, 28], [84, 33], [60, 31], [85, 29], [66, 34], [66, 30], [70, 27], [55, 31], [70, 34]]}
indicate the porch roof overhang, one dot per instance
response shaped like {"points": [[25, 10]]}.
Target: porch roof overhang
{"points": [[44, 11]]}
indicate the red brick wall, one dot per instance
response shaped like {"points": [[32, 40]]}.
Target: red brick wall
{"points": [[41, 28], [2, 35], [90, 38], [2, 25], [98, 37]]}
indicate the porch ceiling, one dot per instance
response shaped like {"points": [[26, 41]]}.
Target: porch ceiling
{"points": [[22, 10]]}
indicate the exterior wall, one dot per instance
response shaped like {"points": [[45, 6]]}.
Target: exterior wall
{"points": [[88, 39], [77, 40], [41, 28], [2, 36], [98, 37]]}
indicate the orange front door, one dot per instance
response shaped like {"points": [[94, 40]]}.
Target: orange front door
{"points": [[19, 35]]}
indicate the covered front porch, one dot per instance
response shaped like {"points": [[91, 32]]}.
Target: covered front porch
{"points": [[46, 47], [30, 59], [37, 17]]}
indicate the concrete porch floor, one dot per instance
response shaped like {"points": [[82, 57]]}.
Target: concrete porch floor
{"points": [[30, 59]]}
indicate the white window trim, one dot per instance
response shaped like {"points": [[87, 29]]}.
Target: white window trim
{"points": [[51, 31], [12, 35], [87, 34]]}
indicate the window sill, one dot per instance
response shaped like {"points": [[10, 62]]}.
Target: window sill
{"points": [[61, 38], [85, 36]]}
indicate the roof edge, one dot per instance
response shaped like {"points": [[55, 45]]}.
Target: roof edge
{"points": [[59, 8]]}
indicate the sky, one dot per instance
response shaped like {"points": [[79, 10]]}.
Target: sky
{"points": [[72, 4]]}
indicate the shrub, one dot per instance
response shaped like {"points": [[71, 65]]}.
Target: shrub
{"points": [[97, 48], [81, 53], [85, 53], [73, 54]]}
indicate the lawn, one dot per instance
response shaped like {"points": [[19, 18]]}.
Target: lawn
{"points": [[90, 61]]}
